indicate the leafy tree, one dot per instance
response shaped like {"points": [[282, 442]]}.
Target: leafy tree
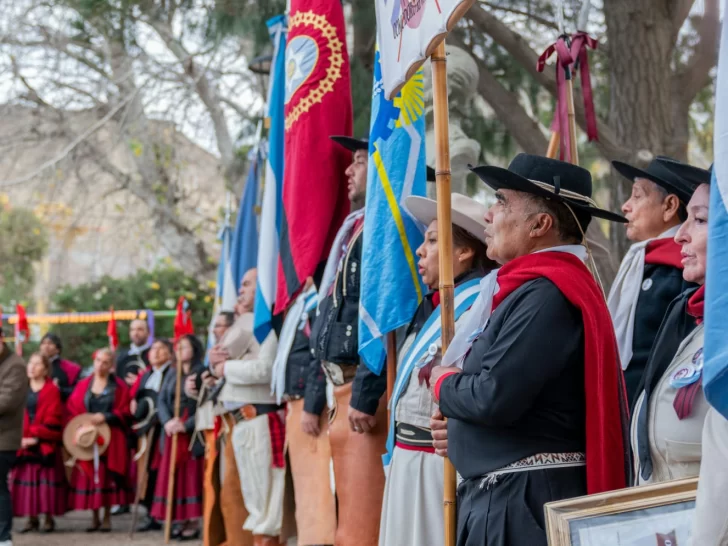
{"points": [[23, 242], [158, 289]]}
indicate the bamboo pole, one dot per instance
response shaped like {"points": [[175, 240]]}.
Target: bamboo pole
{"points": [[142, 477], [173, 453], [391, 370], [553, 149], [572, 116], [444, 238]]}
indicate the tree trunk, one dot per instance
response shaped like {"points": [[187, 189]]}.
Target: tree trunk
{"points": [[640, 34]]}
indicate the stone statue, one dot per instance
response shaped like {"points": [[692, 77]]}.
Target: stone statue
{"points": [[462, 81]]}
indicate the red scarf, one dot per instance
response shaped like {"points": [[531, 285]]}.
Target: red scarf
{"points": [[664, 252], [696, 305], [117, 455], [48, 420], [606, 406]]}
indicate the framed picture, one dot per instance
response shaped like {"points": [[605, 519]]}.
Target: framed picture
{"points": [[651, 515]]}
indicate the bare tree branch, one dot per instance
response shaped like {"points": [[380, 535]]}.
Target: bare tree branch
{"points": [[681, 10], [537, 18]]}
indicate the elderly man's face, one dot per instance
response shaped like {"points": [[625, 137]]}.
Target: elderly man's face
{"points": [[509, 225], [246, 296], [138, 332]]}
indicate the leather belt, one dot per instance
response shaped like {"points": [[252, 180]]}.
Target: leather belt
{"points": [[251, 411], [413, 436], [339, 374]]}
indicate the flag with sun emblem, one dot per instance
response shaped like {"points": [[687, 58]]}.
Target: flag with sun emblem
{"points": [[317, 106], [391, 288]]}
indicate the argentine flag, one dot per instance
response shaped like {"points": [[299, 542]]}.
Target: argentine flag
{"points": [[715, 378], [225, 289], [272, 207], [391, 288]]}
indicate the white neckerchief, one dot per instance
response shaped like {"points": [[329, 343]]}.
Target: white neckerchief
{"points": [[154, 383], [295, 316], [476, 320], [139, 349], [338, 249], [625, 292]]}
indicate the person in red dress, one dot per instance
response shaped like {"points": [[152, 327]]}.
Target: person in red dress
{"points": [[37, 481], [189, 462], [106, 398]]}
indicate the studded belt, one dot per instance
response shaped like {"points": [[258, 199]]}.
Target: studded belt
{"points": [[535, 462]]}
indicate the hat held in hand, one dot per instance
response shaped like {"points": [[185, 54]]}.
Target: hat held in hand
{"points": [[81, 435]]}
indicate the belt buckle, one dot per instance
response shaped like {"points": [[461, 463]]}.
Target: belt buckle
{"points": [[334, 373], [249, 412]]}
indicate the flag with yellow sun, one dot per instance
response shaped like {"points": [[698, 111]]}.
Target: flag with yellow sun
{"points": [[391, 288]]}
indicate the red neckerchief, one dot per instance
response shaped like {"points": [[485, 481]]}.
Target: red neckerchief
{"points": [[664, 252], [435, 299], [696, 305], [606, 399]]}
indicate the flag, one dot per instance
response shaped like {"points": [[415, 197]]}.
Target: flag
{"points": [[22, 330], [272, 207], [317, 106], [111, 331], [715, 379], [244, 253], [226, 291], [183, 319], [407, 33], [391, 288]]}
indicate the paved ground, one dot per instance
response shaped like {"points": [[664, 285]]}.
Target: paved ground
{"points": [[70, 532]]}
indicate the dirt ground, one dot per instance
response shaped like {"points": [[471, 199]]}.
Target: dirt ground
{"points": [[70, 531]]}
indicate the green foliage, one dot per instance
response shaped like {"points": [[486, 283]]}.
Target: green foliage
{"points": [[243, 18], [23, 242], [157, 290]]}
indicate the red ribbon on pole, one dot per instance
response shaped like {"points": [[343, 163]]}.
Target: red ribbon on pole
{"points": [[570, 50]]}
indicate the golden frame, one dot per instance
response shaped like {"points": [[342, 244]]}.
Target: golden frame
{"points": [[560, 514]]}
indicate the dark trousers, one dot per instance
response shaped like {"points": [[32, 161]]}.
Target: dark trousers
{"points": [[7, 458], [148, 499], [510, 513]]}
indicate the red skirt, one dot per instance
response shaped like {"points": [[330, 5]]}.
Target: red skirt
{"points": [[111, 489], [188, 476], [38, 489]]}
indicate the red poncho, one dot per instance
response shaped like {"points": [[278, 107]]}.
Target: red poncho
{"points": [[47, 423]]}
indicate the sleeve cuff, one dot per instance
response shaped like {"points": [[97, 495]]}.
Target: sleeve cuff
{"points": [[438, 383]]}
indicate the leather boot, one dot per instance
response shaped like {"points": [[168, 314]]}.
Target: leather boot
{"points": [[266, 540]]}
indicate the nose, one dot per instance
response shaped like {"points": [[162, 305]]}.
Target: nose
{"points": [[626, 207], [683, 234], [488, 216], [420, 251], [349, 170]]}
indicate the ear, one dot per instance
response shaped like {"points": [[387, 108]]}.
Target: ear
{"points": [[463, 254], [671, 204], [541, 224]]}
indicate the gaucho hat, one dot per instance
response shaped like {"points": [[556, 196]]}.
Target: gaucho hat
{"points": [[665, 172], [691, 175], [548, 178], [354, 144]]}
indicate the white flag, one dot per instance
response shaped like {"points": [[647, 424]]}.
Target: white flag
{"points": [[409, 31]]}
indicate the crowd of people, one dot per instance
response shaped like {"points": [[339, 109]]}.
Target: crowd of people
{"points": [[549, 390]]}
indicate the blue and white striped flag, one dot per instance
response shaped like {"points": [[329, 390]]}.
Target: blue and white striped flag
{"points": [[225, 289], [272, 208], [715, 379], [391, 288]]}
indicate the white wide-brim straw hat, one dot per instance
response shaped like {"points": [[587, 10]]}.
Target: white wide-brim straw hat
{"points": [[466, 213], [83, 450]]}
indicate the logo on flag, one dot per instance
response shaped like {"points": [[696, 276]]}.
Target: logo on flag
{"points": [[391, 286]]}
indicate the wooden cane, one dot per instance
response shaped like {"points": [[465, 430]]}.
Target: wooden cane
{"points": [[444, 236], [553, 148], [142, 480], [173, 453], [391, 370]]}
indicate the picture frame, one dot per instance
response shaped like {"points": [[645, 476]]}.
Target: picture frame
{"points": [[651, 515]]}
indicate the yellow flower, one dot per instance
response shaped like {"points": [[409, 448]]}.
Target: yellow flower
{"points": [[154, 285], [208, 299]]}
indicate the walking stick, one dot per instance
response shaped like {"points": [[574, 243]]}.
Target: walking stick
{"points": [[145, 442], [444, 236], [173, 453], [391, 370], [553, 148]]}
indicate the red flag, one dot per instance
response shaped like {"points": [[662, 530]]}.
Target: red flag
{"points": [[183, 319], [317, 106], [111, 331], [22, 331]]}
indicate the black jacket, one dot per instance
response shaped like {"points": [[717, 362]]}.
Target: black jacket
{"points": [[141, 396], [304, 376], [660, 285], [126, 363], [522, 388], [165, 400]]}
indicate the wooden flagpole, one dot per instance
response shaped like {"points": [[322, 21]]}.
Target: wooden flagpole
{"points": [[553, 150], [173, 453], [572, 115], [444, 238]]}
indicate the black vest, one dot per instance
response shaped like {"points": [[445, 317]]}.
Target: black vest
{"points": [[334, 335]]}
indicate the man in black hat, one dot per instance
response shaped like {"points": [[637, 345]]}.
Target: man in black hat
{"points": [[531, 384], [650, 275]]}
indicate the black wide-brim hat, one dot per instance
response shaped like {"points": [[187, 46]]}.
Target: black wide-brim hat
{"points": [[691, 175], [661, 174], [548, 178], [350, 143]]}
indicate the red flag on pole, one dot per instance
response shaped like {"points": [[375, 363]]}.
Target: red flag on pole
{"points": [[183, 319], [317, 106], [22, 331], [111, 331]]}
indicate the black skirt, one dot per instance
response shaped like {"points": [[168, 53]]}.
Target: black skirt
{"points": [[510, 512]]}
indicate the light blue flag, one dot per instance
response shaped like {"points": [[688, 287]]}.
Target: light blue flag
{"points": [[244, 252], [272, 208], [225, 290], [715, 379], [391, 288]]}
